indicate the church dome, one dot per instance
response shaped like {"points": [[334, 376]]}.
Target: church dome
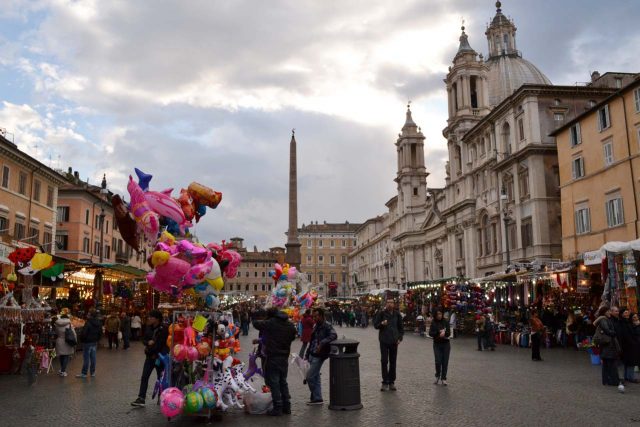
{"points": [[507, 73], [507, 69]]}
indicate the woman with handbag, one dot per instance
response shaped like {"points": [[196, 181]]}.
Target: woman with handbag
{"points": [[65, 346], [605, 338]]}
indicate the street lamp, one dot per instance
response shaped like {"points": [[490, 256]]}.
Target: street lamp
{"points": [[506, 217], [99, 278], [388, 264]]}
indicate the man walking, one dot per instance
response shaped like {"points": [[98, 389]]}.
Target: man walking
{"points": [[112, 326], [537, 328], [90, 336], [319, 348], [391, 331], [278, 334], [155, 344]]}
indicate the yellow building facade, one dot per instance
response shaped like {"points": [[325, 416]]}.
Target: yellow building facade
{"points": [[599, 162]]}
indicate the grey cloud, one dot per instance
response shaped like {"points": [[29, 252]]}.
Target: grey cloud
{"points": [[408, 84]]}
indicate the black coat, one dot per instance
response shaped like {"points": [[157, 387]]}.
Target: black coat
{"points": [[393, 331], [436, 327], [278, 334], [92, 331], [627, 342], [322, 334], [159, 336]]}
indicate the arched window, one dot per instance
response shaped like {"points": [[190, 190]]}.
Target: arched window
{"points": [[506, 138]]}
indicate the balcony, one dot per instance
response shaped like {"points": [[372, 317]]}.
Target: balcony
{"points": [[122, 258]]}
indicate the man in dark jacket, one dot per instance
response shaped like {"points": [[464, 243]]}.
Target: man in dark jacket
{"points": [[278, 333], [317, 352], [440, 331], [391, 331], [90, 336], [155, 343]]}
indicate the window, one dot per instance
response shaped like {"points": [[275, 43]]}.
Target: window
{"points": [[320, 277], [608, 153], [576, 138], [22, 183], [615, 214], [96, 222], [320, 259], [47, 237], [333, 277], [526, 229], [415, 191], [85, 245], [583, 220], [62, 241], [344, 243], [309, 278], [332, 260], [320, 243], [558, 117], [577, 167], [459, 248], [506, 138], [96, 248], [333, 243], [344, 260], [34, 234], [511, 233], [308, 259], [246, 287], [508, 185], [308, 243], [50, 196], [36, 190], [5, 176], [238, 275], [494, 233], [4, 225], [636, 97], [618, 82], [247, 274], [255, 274], [19, 231], [521, 129], [86, 217], [523, 181], [604, 120], [264, 274], [263, 286], [63, 214], [255, 288], [107, 252]]}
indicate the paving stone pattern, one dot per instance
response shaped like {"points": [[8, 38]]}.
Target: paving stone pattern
{"points": [[485, 388]]}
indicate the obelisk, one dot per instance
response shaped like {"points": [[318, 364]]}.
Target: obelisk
{"points": [[293, 257]]}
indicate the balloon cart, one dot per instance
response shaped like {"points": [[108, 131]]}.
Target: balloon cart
{"points": [[202, 378]]}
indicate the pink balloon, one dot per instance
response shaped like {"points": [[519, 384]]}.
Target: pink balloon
{"points": [[169, 275], [171, 402], [192, 354], [164, 205], [180, 352], [198, 273], [146, 218]]}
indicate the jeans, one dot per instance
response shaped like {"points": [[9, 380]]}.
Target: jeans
{"points": [[610, 372], [441, 352], [113, 339], [388, 355], [89, 355], [276, 378], [313, 377], [480, 336], [125, 340], [147, 369], [535, 346], [245, 328], [64, 362]]}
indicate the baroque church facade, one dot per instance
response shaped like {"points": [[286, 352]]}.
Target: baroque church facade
{"points": [[501, 201]]}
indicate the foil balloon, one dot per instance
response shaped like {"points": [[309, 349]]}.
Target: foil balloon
{"points": [[146, 218], [187, 204], [164, 205], [143, 179], [127, 225], [205, 195]]}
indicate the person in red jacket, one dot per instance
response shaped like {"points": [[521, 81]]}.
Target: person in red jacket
{"points": [[307, 328]]}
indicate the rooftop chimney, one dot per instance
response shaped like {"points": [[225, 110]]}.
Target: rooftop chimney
{"points": [[595, 76]]}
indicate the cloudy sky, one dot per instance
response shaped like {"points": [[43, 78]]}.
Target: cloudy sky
{"points": [[209, 90]]}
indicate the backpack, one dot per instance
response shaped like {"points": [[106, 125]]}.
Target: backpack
{"points": [[70, 337]]}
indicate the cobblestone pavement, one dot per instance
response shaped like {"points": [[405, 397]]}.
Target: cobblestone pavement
{"points": [[485, 388]]}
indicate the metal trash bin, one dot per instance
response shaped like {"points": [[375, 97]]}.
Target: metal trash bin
{"points": [[344, 375]]}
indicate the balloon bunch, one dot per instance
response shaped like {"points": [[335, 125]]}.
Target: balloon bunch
{"points": [[28, 262], [307, 299], [149, 210], [180, 265]]}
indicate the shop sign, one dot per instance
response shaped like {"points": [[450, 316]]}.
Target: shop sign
{"points": [[593, 257], [4, 253]]}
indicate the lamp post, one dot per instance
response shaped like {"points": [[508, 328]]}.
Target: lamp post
{"points": [[506, 217]]}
